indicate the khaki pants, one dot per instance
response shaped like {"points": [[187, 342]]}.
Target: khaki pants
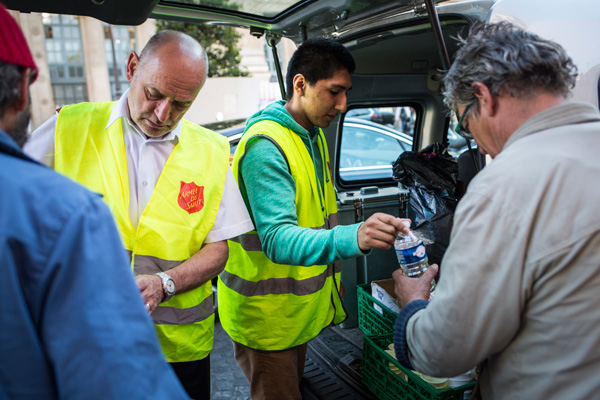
{"points": [[273, 375]]}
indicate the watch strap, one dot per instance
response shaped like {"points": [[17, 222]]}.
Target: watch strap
{"points": [[165, 278]]}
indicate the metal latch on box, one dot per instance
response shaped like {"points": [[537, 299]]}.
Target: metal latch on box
{"points": [[359, 206], [358, 211]]}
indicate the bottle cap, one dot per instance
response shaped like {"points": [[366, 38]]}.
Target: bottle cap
{"points": [[411, 235]]}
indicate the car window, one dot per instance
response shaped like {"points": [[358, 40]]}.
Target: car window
{"points": [[456, 143], [370, 142], [364, 146], [359, 112]]}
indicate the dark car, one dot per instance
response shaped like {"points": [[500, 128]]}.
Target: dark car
{"points": [[372, 114], [233, 134]]}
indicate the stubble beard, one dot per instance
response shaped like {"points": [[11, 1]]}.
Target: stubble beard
{"points": [[19, 130]]}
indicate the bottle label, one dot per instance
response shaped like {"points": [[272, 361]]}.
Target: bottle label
{"points": [[411, 254]]}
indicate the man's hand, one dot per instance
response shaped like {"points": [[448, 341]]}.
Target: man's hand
{"points": [[411, 289], [380, 231], [200, 268], [151, 289]]}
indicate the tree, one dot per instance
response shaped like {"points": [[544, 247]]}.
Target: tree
{"points": [[220, 42]]}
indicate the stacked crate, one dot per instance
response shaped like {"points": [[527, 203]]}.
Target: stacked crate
{"points": [[381, 372]]}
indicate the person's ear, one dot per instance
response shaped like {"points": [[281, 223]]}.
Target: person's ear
{"points": [[485, 98], [133, 64], [299, 84], [23, 88]]}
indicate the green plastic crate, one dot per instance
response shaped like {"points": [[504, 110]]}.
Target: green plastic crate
{"points": [[370, 321], [405, 385]]}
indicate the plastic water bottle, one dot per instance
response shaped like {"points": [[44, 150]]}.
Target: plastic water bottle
{"points": [[412, 256]]}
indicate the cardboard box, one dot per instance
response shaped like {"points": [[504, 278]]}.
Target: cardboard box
{"points": [[383, 291]]}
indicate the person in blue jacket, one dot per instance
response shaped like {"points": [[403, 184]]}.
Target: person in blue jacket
{"points": [[73, 321]]}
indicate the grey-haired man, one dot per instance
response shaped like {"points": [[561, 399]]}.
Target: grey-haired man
{"points": [[520, 280]]}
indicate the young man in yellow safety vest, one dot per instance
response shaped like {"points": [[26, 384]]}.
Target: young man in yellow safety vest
{"points": [[281, 285], [169, 186]]}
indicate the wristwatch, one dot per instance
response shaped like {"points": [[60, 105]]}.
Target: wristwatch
{"points": [[168, 285]]}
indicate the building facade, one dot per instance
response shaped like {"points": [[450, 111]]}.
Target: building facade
{"points": [[84, 59]]}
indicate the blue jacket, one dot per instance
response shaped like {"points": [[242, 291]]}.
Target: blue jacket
{"points": [[73, 325]]}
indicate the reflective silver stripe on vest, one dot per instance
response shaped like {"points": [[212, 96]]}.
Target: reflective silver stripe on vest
{"points": [[337, 266], [251, 242], [275, 285], [164, 315], [333, 220], [146, 265]]}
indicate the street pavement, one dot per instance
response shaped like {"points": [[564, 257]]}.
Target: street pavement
{"points": [[226, 378]]}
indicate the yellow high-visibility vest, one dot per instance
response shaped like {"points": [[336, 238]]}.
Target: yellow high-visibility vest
{"points": [[172, 227], [268, 306]]}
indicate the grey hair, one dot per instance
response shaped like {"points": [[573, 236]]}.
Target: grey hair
{"points": [[510, 60]]}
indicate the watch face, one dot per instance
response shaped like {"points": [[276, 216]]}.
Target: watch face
{"points": [[170, 286]]}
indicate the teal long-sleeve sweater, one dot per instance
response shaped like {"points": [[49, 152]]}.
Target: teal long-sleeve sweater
{"points": [[269, 192]]}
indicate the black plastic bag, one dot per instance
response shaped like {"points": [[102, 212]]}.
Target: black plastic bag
{"points": [[430, 176]]}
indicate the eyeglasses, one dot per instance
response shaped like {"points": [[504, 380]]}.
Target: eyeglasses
{"points": [[459, 129]]}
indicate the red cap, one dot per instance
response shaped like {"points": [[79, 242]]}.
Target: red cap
{"points": [[13, 46]]}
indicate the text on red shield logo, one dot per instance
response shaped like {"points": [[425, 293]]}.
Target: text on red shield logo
{"points": [[191, 197]]}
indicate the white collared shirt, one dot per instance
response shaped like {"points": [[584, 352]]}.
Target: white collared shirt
{"points": [[146, 158]]}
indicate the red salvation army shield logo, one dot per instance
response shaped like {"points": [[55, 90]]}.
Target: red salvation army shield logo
{"points": [[191, 197]]}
